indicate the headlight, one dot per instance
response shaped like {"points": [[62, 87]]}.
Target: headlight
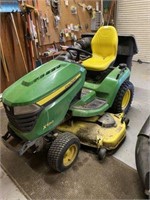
{"points": [[28, 109]]}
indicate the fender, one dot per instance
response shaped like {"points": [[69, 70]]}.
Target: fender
{"points": [[109, 87]]}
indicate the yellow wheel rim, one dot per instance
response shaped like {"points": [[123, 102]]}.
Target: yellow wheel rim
{"points": [[126, 99], [70, 155]]}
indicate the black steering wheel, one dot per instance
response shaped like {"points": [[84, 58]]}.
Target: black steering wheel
{"points": [[75, 52]]}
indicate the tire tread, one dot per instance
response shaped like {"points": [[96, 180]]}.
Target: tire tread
{"points": [[57, 147], [116, 107]]}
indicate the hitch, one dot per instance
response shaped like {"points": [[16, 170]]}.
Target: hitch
{"points": [[17, 145]]}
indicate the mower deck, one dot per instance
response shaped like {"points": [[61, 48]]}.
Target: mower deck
{"points": [[105, 132]]}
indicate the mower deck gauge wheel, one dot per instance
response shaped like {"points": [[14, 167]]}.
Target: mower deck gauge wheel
{"points": [[102, 153]]}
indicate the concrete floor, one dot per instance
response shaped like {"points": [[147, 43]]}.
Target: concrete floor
{"points": [[126, 153], [138, 113], [11, 192]]}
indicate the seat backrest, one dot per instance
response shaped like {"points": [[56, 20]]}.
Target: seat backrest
{"points": [[105, 42]]}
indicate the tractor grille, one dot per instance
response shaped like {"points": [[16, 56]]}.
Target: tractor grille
{"points": [[23, 122]]}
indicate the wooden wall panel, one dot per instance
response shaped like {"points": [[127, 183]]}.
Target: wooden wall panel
{"points": [[11, 50], [10, 44], [82, 17]]}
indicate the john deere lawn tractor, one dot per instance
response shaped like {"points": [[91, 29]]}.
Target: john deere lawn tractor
{"points": [[71, 100]]}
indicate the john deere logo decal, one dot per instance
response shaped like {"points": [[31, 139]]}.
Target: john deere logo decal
{"points": [[48, 124]]}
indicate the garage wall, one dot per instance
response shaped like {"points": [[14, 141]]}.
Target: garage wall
{"points": [[15, 67], [133, 17]]}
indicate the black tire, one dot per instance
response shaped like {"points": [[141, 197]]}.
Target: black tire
{"points": [[58, 158], [123, 100], [102, 153]]}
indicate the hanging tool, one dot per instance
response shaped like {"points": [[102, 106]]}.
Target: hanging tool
{"points": [[97, 6], [62, 38], [55, 11], [29, 38], [73, 10], [66, 2], [34, 40], [4, 61], [55, 7], [45, 25], [80, 26], [102, 7], [47, 2], [15, 29], [56, 20], [32, 34], [113, 3], [37, 19]]}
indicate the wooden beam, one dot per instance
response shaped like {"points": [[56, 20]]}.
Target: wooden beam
{"points": [[16, 32], [4, 61]]}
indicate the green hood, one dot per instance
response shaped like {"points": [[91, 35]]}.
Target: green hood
{"points": [[40, 82]]}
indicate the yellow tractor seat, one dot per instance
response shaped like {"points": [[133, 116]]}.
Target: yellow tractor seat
{"points": [[104, 46]]}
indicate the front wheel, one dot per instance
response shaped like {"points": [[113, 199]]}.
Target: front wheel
{"points": [[63, 152], [123, 100]]}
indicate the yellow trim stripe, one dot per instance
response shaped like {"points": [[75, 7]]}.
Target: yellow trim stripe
{"points": [[57, 92]]}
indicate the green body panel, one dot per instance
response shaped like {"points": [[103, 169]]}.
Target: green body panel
{"points": [[109, 87], [40, 82], [53, 113], [106, 90]]}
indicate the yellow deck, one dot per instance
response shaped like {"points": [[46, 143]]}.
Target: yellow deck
{"points": [[94, 135]]}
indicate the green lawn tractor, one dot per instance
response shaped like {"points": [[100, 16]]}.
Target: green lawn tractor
{"points": [[78, 98]]}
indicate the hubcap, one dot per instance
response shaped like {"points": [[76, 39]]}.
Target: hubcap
{"points": [[70, 155], [126, 99]]}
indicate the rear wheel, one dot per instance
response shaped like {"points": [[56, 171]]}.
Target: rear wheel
{"points": [[123, 100], [63, 152]]}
